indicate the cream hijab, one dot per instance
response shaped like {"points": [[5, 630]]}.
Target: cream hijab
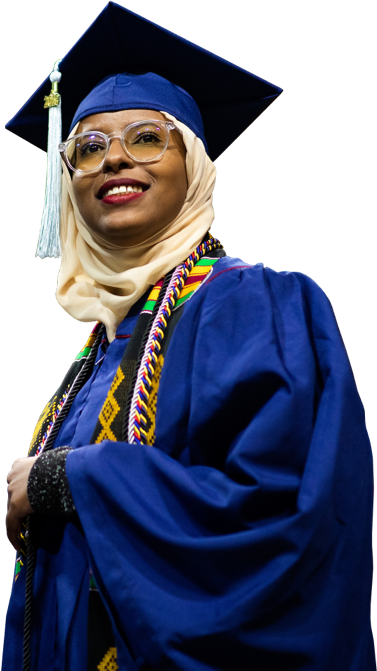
{"points": [[100, 282]]}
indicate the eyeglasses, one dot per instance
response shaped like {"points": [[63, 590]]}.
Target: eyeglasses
{"points": [[143, 141]]}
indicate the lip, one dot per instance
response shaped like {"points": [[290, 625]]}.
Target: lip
{"points": [[121, 198], [122, 181]]}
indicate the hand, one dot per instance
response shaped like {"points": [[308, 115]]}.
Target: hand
{"points": [[18, 502]]}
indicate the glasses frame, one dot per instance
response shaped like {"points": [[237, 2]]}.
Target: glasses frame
{"points": [[167, 125]]}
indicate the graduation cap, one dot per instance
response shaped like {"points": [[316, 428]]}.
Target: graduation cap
{"points": [[222, 101]]}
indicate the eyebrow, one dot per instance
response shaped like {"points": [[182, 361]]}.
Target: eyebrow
{"points": [[92, 129]]}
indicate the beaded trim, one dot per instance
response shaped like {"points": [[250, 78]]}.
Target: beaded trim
{"points": [[56, 414], [138, 412], [83, 354]]}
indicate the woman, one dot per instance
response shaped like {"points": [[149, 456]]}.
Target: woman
{"points": [[209, 432]]}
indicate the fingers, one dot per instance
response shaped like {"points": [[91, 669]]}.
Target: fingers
{"points": [[10, 472], [13, 520], [14, 528]]}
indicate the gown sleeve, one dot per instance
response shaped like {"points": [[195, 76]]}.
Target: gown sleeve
{"points": [[242, 539], [47, 487]]}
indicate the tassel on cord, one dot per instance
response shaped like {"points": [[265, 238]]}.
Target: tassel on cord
{"points": [[49, 233]]}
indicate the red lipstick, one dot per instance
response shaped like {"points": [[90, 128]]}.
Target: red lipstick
{"points": [[122, 181], [121, 198]]}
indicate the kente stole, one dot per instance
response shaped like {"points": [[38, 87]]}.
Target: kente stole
{"points": [[111, 423]]}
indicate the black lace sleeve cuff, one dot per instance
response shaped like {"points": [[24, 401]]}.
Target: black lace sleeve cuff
{"points": [[48, 487]]}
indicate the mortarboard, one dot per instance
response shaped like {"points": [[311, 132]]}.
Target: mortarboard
{"points": [[228, 97]]}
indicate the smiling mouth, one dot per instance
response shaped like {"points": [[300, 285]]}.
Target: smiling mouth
{"points": [[121, 198], [122, 190]]}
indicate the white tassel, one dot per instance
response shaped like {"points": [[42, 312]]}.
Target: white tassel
{"points": [[49, 233]]}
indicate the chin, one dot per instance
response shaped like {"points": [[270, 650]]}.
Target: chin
{"points": [[122, 233]]}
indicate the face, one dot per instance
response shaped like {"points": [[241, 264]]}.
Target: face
{"points": [[128, 220]]}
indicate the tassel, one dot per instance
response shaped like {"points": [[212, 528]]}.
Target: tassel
{"points": [[49, 233]]}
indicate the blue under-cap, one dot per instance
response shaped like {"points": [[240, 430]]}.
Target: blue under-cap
{"points": [[144, 91]]}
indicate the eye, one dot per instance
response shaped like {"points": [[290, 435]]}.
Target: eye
{"points": [[147, 138], [90, 148]]}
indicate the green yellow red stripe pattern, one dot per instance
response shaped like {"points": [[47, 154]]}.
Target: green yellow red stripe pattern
{"points": [[18, 567], [200, 272], [138, 417], [152, 298], [85, 351]]}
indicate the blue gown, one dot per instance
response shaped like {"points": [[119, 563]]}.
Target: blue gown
{"points": [[242, 538]]}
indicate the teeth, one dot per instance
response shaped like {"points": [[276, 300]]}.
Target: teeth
{"points": [[123, 189]]}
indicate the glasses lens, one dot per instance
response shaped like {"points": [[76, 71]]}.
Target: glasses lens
{"points": [[146, 141], [86, 151]]}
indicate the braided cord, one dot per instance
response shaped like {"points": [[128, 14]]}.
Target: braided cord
{"points": [[137, 418], [145, 369], [141, 353], [31, 552], [31, 556]]}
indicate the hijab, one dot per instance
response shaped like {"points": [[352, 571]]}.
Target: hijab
{"points": [[100, 281]]}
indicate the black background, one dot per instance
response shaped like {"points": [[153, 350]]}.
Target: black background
{"points": [[285, 193]]}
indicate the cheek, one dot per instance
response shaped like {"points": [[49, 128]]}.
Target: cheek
{"points": [[177, 184], [78, 191], [169, 189], [82, 192], [178, 190]]}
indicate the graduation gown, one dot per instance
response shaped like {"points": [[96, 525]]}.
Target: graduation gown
{"points": [[242, 538]]}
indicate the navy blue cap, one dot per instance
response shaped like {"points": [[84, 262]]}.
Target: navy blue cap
{"points": [[148, 91], [119, 41]]}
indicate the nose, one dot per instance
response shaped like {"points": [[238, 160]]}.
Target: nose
{"points": [[116, 158]]}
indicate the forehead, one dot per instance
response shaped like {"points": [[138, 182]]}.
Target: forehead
{"points": [[108, 122]]}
